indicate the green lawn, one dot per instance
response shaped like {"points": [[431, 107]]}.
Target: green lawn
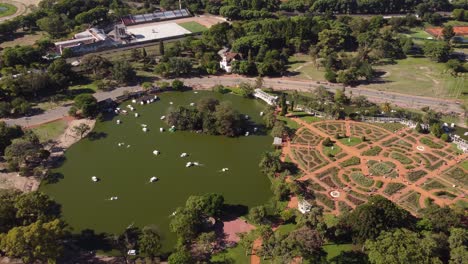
{"points": [[334, 250], [333, 150], [331, 220], [193, 27], [302, 65], [311, 119], [420, 76], [235, 255], [464, 165], [286, 229], [7, 9], [50, 130], [351, 141], [418, 33], [289, 122]]}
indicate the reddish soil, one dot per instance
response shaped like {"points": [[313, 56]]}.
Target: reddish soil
{"points": [[234, 227]]}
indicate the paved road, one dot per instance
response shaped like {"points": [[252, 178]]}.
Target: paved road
{"points": [[402, 100], [276, 83]]}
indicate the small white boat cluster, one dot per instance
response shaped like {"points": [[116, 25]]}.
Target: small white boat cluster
{"points": [[118, 122], [163, 117], [94, 179], [161, 129], [131, 107], [183, 155], [261, 113], [145, 129], [225, 169], [247, 133], [137, 115], [121, 144], [192, 104], [156, 152], [113, 198]]}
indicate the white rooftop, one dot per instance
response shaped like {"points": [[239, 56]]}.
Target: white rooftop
{"points": [[156, 31]]}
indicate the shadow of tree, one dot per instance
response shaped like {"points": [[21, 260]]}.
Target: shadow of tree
{"points": [[54, 177], [96, 135]]}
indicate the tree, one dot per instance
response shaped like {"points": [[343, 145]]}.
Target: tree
{"points": [[185, 224], [97, 65], [205, 244], [122, 71], [81, 129], [207, 205], [161, 48], [257, 214], [150, 242], [270, 163], [86, 104], [246, 90], [36, 206], [386, 108], [25, 153], [39, 241], [7, 134], [181, 256], [436, 130], [445, 137], [177, 85], [279, 129], [437, 51], [440, 219], [448, 33], [52, 25], [379, 214], [7, 209], [179, 66], [284, 106], [60, 73], [419, 128], [458, 241], [401, 246], [228, 120], [269, 117], [327, 142], [308, 241], [340, 97]]}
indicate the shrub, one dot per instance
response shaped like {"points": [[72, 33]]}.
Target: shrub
{"points": [[177, 84], [374, 151], [393, 187], [362, 180], [351, 162], [327, 142]]}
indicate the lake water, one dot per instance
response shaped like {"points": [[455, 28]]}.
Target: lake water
{"points": [[125, 171]]}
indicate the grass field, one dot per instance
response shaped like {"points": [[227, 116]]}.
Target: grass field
{"points": [[352, 141], [232, 255], [414, 75], [7, 9], [193, 26], [420, 76], [464, 165], [304, 69], [334, 250], [289, 122], [50, 130]]}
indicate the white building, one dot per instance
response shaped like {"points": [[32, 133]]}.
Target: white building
{"points": [[227, 58], [304, 206]]}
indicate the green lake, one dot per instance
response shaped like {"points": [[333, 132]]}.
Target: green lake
{"points": [[125, 171]]}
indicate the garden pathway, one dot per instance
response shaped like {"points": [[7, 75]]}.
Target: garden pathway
{"points": [[399, 167]]}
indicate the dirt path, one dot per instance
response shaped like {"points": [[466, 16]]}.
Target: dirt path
{"points": [[22, 7]]}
